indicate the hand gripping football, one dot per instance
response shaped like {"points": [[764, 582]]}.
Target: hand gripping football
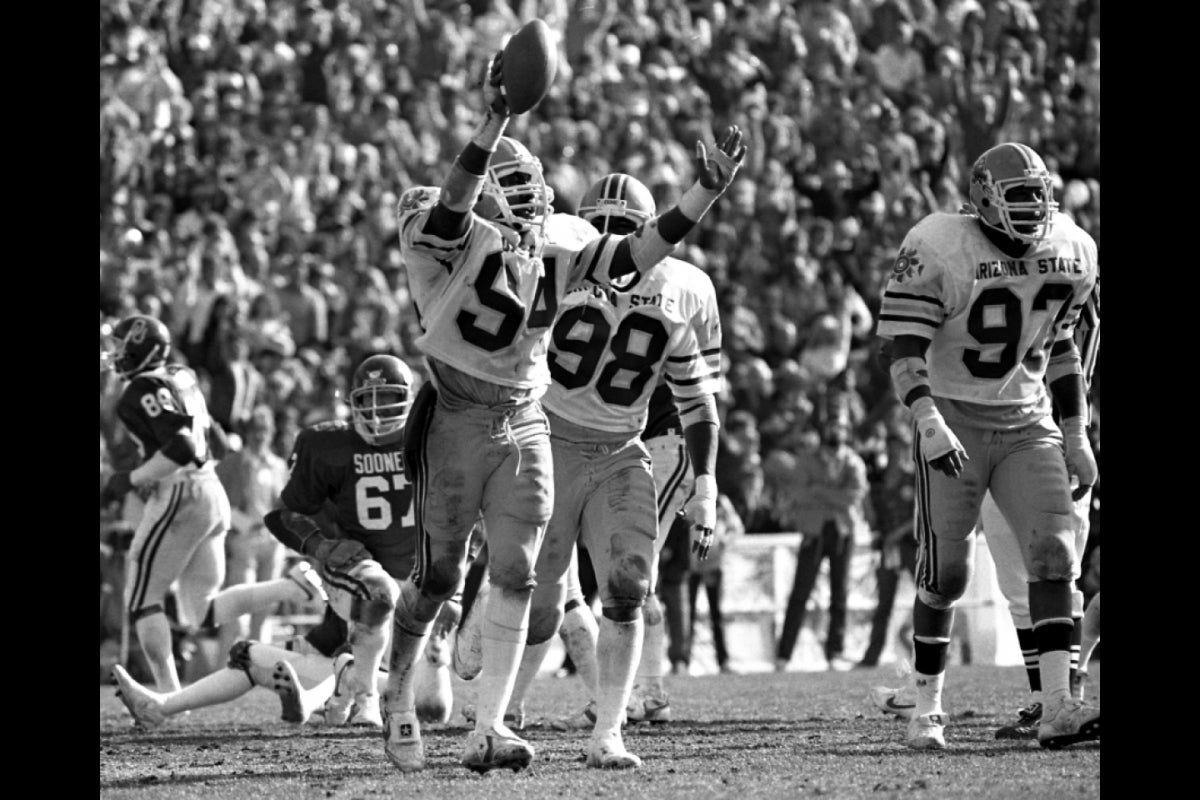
{"points": [[530, 63]]}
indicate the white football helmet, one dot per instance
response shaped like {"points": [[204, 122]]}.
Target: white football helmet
{"points": [[1013, 192], [515, 193], [616, 197]]}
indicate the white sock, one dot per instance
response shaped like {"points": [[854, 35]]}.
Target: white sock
{"points": [[505, 626], [619, 648], [654, 646], [231, 603], [531, 664], [1056, 675], [220, 687], [929, 693], [154, 634], [368, 645], [579, 633]]}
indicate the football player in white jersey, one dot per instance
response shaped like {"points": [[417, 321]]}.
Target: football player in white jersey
{"points": [[487, 284], [610, 346], [979, 313]]}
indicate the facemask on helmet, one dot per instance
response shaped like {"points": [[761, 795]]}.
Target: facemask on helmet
{"points": [[515, 193], [135, 345], [380, 397], [617, 203], [1012, 191]]}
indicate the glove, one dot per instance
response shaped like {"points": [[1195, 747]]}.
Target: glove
{"points": [[716, 173], [493, 92], [338, 555], [118, 485], [1081, 461], [939, 446], [701, 509]]}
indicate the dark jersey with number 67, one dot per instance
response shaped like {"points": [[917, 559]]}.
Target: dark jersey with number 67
{"points": [[363, 488]]}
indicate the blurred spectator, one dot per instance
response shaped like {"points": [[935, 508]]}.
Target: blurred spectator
{"points": [[828, 487], [892, 496]]}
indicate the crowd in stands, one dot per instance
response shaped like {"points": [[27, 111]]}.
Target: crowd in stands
{"points": [[252, 153]]}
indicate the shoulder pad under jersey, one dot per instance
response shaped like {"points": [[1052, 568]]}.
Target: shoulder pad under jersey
{"points": [[569, 232]]}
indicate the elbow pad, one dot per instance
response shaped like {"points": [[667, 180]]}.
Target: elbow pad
{"points": [[697, 410], [910, 376], [647, 246]]}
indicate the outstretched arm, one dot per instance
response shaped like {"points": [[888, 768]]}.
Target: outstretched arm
{"points": [[656, 240], [451, 215]]}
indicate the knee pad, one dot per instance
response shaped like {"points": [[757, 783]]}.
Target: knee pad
{"points": [[622, 613], [377, 602], [440, 580], [936, 600], [1053, 558], [517, 576], [242, 657], [652, 610], [544, 622], [628, 582]]}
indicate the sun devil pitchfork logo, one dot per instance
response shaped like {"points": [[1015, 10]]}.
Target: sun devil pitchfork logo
{"points": [[908, 266]]}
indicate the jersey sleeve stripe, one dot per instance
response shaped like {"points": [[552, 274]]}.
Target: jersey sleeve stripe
{"points": [[905, 318], [693, 381], [705, 354], [920, 298]]}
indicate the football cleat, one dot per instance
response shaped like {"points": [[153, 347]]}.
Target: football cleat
{"points": [[927, 732], [365, 711], [1067, 722], [512, 719], [304, 576], [466, 654], [610, 753], [496, 749], [144, 705], [339, 704], [1026, 726], [584, 719], [647, 707], [298, 703], [900, 702], [897, 702], [402, 741]]}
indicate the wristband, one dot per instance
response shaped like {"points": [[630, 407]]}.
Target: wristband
{"points": [[706, 487], [696, 201]]}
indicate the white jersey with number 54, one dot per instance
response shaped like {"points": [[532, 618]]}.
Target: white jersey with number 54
{"points": [[486, 308], [992, 319], [610, 343]]}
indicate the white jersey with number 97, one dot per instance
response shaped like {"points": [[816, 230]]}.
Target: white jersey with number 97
{"points": [[992, 319]]}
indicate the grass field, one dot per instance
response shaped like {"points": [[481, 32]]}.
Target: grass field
{"points": [[796, 734]]}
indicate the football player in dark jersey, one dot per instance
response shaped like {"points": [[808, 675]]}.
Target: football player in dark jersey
{"points": [[181, 537], [355, 472]]}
